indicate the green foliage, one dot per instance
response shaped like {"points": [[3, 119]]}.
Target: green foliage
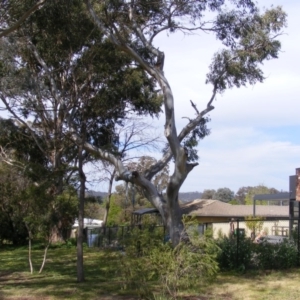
{"points": [[223, 194], [115, 211], [245, 194], [260, 189], [242, 33], [12, 210], [102, 268], [191, 141], [243, 254], [25, 203], [235, 254], [283, 255], [254, 224], [184, 266]]}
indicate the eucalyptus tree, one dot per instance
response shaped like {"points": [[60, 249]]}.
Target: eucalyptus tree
{"points": [[248, 37], [28, 207], [60, 75]]}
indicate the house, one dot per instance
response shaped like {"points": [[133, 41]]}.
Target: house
{"points": [[223, 217], [218, 215]]}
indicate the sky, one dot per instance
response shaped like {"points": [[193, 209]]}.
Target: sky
{"points": [[254, 130]]}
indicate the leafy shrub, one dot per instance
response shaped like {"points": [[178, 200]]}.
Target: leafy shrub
{"points": [[243, 254], [183, 266], [283, 255], [138, 272], [235, 253], [186, 265]]}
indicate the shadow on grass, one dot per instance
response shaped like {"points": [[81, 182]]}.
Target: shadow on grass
{"points": [[58, 279]]}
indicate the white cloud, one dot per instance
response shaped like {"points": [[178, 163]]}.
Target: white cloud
{"points": [[235, 164]]}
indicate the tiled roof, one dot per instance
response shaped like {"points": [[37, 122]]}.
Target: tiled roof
{"points": [[216, 208]]}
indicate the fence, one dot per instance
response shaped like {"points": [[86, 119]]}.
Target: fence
{"points": [[256, 231], [275, 230], [115, 236]]}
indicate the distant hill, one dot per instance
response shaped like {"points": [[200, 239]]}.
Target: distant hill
{"points": [[184, 197], [96, 194], [189, 196]]}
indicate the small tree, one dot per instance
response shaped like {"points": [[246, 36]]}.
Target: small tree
{"points": [[254, 224]]}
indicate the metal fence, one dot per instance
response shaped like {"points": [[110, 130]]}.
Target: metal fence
{"points": [[115, 236], [276, 230], [258, 231]]}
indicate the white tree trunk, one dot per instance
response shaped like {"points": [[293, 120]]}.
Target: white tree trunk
{"points": [[44, 257]]}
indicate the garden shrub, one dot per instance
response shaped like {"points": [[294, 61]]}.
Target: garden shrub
{"points": [[283, 255], [235, 253], [188, 264], [248, 255]]}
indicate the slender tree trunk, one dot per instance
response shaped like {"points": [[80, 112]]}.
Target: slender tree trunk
{"points": [[107, 205], [29, 248], [80, 271], [29, 255], [45, 257]]}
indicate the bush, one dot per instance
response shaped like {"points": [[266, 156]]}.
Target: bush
{"points": [[283, 255], [186, 265], [248, 255], [235, 254]]}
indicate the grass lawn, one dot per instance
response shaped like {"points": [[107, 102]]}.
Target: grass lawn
{"points": [[103, 281]]}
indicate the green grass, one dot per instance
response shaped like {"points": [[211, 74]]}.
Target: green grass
{"points": [[103, 281], [58, 279]]}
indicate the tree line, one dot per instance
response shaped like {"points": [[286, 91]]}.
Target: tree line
{"points": [[244, 194]]}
